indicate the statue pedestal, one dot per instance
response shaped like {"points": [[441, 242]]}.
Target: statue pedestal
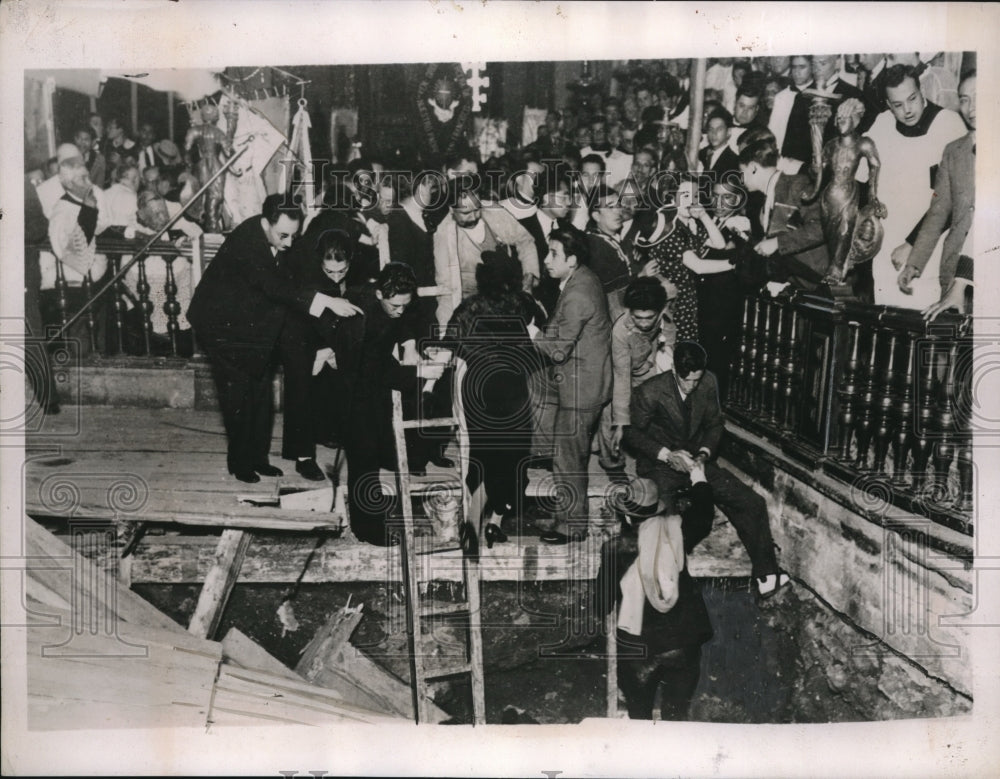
{"points": [[842, 291]]}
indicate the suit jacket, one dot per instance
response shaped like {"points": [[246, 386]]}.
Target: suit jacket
{"points": [[578, 341], [953, 201], [660, 417], [728, 161], [798, 141], [240, 304], [802, 256]]}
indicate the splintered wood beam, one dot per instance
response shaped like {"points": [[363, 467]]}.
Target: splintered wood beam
{"points": [[229, 554]]}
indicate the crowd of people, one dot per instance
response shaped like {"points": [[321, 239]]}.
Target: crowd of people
{"points": [[590, 281]]}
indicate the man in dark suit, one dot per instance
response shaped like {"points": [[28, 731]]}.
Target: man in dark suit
{"points": [[677, 426], [793, 230], [718, 157], [238, 311], [577, 340], [551, 212], [798, 139]]}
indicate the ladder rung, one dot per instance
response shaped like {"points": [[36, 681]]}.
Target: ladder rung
{"points": [[443, 610], [409, 424], [439, 672], [450, 547]]}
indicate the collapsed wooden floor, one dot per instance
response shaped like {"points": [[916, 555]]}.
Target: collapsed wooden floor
{"points": [[167, 466], [98, 655]]}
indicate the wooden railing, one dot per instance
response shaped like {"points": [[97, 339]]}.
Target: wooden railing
{"points": [[132, 292], [872, 395]]}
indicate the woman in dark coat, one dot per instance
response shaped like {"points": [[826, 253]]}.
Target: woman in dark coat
{"points": [[489, 331]]}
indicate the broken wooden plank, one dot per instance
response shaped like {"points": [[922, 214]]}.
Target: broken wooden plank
{"points": [[330, 661], [239, 649], [58, 567], [244, 696], [123, 676], [219, 582]]}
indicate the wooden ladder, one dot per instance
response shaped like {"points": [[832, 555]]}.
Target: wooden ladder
{"points": [[421, 672]]}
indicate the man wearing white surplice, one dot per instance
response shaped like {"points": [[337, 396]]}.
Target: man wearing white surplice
{"points": [[910, 137]]}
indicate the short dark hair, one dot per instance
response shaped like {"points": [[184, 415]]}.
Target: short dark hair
{"points": [[645, 293], [966, 76], [897, 74], [572, 241], [720, 113], [396, 278], [277, 205], [84, 129], [764, 152], [750, 88], [652, 114], [753, 134], [595, 158], [338, 242], [689, 358]]}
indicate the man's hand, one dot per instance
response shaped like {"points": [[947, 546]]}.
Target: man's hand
{"points": [[88, 197], [680, 461], [954, 297], [900, 255], [651, 268], [767, 247], [339, 306], [323, 357], [905, 279], [616, 438]]}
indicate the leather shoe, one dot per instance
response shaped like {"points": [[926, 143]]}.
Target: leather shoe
{"points": [[442, 462], [268, 470], [308, 469], [494, 535], [248, 476]]}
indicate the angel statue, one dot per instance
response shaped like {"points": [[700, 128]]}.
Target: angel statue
{"points": [[213, 146], [852, 235]]}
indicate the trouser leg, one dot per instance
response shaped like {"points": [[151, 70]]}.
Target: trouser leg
{"points": [[679, 675], [747, 512], [609, 459], [543, 412], [297, 439], [261, 417], [570, 465]]}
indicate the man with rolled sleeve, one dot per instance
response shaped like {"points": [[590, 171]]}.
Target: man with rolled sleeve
{"points": [[677, 424]]}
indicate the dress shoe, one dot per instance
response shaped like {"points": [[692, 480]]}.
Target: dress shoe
{"points": [[494, 535], [268, 470], [308, 469], [248, 476], [768, 586], [442, 462]]}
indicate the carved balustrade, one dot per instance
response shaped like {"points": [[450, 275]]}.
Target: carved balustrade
{"points": [[868, 394]]}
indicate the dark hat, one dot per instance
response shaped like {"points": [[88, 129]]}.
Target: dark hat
{"points": [[640, 498]]}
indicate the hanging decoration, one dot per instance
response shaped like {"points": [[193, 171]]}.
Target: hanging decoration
{"points": [[300, 157], [444, 106], [477, 82]]}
